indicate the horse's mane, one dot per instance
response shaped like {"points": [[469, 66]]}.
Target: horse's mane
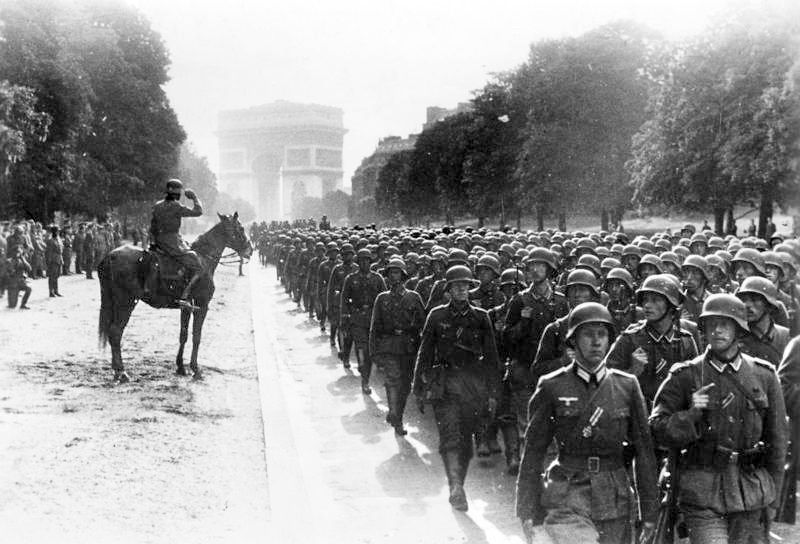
{"points": [[204, 240]]}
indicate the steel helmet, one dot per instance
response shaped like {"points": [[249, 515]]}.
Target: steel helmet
{"points": [[759, 286], [715, 261], [487, 261], [783, 248], [174, 187], [439, 256], [715, 243], [508, 249], [602, 252], [424, 260], [363, 253], [699, 262], [663, 244], [347, 248], [458, 272], [631, 250], [698, 238], [511, 276], [583, 277], [665, 285], [670, 257], [761, 245], [724, 305], [610, 262], [622, 275], [590, 312], [751, 256], [646, 246], [591, 263], [788, 262], [412, 257], [331, 248], [542, 255], [652, 260], [398, 263], [457, 256], [772, 258], [585, 245]]}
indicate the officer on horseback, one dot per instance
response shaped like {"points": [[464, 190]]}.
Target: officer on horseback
{"points": [[165, 232]]}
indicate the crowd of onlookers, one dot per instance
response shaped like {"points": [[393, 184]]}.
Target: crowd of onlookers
{"points": [[31, 251]]}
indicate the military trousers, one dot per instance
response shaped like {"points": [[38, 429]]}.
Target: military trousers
{"points": [[463, 409], [360, 336], [398, 369], [709, 527]]}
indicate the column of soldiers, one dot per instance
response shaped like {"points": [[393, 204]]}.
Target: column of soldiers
{"points": [[603, 364], [30, 252]]}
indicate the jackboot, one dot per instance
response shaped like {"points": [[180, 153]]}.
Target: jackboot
{"points": [[482, 442], [511, 440], [390, 401], [400, 408], [465, 454], [396, 406], [453, 469]]}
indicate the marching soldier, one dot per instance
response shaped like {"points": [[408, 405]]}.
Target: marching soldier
{"points": [[724, 412], [765, 340], [66, 250], [649, 348], [334, 296], [696, 280], [488, 294], [529, 313], [323, 277], [621, 300], [438, 265], [397, 319], [593, 413], [312, 277], [359, 292], [457, 370]]}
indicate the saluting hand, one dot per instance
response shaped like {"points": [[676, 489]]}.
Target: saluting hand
{"points": [[190, 194], [701, 399]]}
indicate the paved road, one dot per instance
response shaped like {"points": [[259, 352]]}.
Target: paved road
{"points": [[337, 471]]}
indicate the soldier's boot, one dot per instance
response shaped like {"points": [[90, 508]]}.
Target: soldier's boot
{"points": [[25, 297], [346, 344], [455, 480], [511, 440], [365, 369], [491, 437], [482, 442], [465, 454], [333, 335], [396, 402], [184, 301], [400, 408]]}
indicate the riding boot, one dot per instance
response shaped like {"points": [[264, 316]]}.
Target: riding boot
{"points": [[333, 335], [364, 368], [188, 289], [465, 454], [391, 397], [511, 440], [454, 471], [346, 344], [400, 408]]}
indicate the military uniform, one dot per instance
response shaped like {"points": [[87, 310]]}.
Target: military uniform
{"points": [[397, 319], [438, 296], [323, 277], [88, 252], [77, 246], [522, 336], [731, 467], [55, 262], [487, 296], [424, 287], [460, 344], [552, 351], [585, 494], [768, 346], [334, 296], [676, 345], [358, 297], [624, 315], [66, 253], [312, 278]]}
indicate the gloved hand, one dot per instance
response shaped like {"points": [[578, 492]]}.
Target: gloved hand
{"points": [[190, 194]]}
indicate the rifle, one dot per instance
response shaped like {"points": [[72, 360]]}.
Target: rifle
{"points": [[664, 532], [787, 508]]}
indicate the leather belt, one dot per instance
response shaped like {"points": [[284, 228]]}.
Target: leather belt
{"points": [[593, 463]]}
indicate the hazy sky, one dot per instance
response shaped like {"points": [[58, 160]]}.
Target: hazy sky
{"points": [[382, 61]]}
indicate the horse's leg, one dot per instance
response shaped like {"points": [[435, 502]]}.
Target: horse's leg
{"points": [[197, 329], [185, 315], [123, 312]]}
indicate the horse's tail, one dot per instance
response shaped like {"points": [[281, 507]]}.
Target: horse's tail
{"points": [[106, 300]]}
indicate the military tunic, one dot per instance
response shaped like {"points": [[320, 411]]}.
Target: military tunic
{"points": [[165, 227], [676, 345], [768, 346], [585, 494], [358, 297], [462, 342], [397, 319], [726, 479]]}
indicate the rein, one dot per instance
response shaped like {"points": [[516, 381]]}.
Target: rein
{"points": [[225, 259]]}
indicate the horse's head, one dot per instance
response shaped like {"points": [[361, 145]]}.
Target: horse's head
{"points": [[235, 237]]}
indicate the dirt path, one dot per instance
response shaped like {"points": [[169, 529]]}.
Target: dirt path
{"points": [[161, 459]]}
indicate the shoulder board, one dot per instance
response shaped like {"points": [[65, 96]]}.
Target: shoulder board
{"points": [[683, 365], [758, 361], [550, 376]]}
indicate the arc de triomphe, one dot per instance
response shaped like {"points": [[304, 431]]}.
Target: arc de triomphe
{"points": [[269, 153]]}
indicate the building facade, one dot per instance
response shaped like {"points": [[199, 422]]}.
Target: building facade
{"points": [[275, 154]]}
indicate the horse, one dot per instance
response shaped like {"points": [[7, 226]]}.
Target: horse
{"points": [[122, 274]]}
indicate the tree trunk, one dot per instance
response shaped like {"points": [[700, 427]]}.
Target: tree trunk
{"points": [[519, 218], [603, 219], [481, 221], [730, 228], [765, 212], [539, 218], [719, 219], [562, 221]]}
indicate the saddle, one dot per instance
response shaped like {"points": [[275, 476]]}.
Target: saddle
{"points": [[162, 276]]}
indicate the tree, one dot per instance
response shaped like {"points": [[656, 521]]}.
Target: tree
{"points": [[96, 69], [722, 120]]}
